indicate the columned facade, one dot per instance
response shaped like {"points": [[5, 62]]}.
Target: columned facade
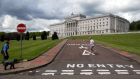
{"points": [[71, 28], [76, 25]]}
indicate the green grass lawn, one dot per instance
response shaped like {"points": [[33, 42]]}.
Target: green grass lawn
{"points": [[127, 42], [31, 48]]}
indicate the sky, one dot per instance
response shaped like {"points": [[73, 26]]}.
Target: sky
{"points": [[39, 14]]}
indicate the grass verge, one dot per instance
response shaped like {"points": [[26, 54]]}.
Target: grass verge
{"points": [[127, 42], [31, 48]]}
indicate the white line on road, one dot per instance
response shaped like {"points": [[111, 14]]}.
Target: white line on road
{"points": [[86, 73], [30, 71], [103, 73], [51, 71], [122, 71], [67, 73], [36, 71], [137, 71], [67, 70], [48, 74]]}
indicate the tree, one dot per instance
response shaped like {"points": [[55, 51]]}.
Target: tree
{"points": [[135, 25], [27, 36], [34, 37], [44, 35], [55, 36], [132, 26], [2, 37], [17, 37]]}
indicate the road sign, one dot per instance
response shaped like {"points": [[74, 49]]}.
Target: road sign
{"points": [[21, 28]]}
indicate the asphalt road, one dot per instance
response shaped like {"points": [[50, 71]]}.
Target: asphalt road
{"points": [[76, 61]]}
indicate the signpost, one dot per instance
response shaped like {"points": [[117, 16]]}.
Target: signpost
{"points": [[21, 28]]}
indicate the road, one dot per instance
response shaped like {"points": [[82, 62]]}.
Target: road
{"points": [[76, 61]]}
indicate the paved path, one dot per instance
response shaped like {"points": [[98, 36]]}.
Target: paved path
{"points": [[76, 61]]}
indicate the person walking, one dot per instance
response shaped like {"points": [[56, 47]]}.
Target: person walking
{"points": [[92, 45], [4, 51]]}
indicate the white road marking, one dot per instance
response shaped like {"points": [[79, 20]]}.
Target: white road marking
{"points": [[82, 47], [73, 44], [67, 70], [87, 53], [51, 71], [48, 74], [67, 73], [30, 71], [86, 73], [104, 73], [36, 71], [137, 71], [122, 71]]}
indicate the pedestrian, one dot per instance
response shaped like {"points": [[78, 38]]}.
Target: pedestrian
{"points": [[92, 45], [4, 51]]}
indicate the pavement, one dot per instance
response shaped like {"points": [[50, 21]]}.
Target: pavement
{"points": [[40, 61], [75, 61]]}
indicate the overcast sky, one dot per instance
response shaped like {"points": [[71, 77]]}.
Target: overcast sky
{"points": [[39, 14]]}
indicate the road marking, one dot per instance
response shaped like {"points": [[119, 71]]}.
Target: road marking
{"points": [[82, 47], [122, 71], [48, 74], [30, 71], [86, 72], [73, 44], [87, 53], [67, 72], [137, 71], [51, 71], [103, 71], [37, 71]]}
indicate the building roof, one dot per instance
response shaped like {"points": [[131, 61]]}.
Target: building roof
{"points": [[75, 15], [81, 15]]}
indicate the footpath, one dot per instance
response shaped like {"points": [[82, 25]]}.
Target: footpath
{"points": [[40, 61]]}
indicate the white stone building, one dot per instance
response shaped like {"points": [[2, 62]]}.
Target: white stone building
{"points": [[76, 25]]}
